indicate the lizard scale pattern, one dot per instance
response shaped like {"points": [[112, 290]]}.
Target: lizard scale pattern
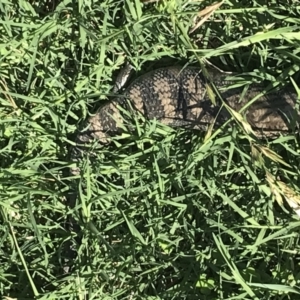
{"points": [[178, 97]]}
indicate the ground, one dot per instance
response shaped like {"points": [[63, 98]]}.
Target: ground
{"points": [[165, 213]]}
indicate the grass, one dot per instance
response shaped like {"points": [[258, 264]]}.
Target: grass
{"points": [[166, 213]]}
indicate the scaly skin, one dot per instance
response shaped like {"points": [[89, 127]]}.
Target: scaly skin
{"points": [[178, 97]]}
